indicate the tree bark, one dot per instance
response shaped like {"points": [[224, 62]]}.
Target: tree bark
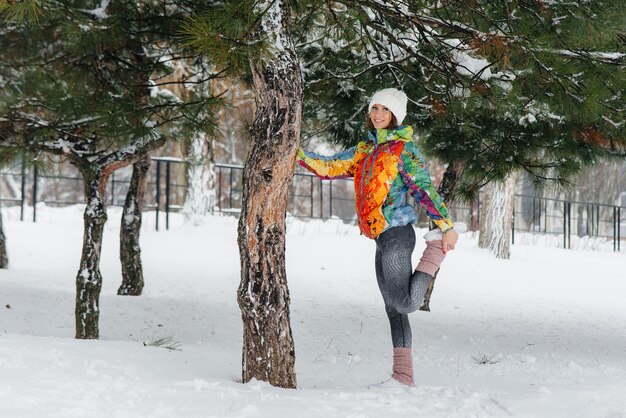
{"points": [[474, 215], [496, 217], [211, 185], [89, 279], [263, 295], [130, 229], [4, 258], [446, 189], [201, 195], [486, 214]]}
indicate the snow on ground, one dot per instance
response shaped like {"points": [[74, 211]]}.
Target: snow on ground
{"points": [[550, 321]]}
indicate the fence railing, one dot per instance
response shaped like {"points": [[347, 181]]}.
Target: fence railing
{"points": [[310, 197], [570, 219]]}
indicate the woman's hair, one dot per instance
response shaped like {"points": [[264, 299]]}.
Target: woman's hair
{"points": [[369, 126]]}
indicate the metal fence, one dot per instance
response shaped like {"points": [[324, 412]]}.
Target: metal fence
{"points": [[570, 219], [310, 198]]}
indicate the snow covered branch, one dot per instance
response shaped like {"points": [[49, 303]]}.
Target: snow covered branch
{"points": [[132, 152]]}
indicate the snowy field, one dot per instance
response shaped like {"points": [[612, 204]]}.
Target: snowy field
{"points": [[549, 324]]}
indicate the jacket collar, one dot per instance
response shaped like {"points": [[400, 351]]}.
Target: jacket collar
{"points": [[401, 133]]}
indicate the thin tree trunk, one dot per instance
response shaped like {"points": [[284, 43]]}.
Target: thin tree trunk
{"points": [[446, 190], [263, 295], [497, 217], [130, 229], [486, 214], [89, 279], [211, 189], [474, 215], [200, 198], [4, 258]]}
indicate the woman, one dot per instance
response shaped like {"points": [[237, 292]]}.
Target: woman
{"points": [[386, 165]]}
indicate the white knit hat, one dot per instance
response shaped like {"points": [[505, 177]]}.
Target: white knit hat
{"points": [[393, 99]]}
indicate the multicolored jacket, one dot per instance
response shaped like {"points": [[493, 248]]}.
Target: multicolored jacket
{"points": [[385, 165]]}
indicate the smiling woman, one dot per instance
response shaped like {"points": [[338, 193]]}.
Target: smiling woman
{"points": [[381, 116], [386, 164], [386, 116]]}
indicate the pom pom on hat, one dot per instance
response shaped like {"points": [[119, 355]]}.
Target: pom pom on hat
{"points": [[393, 99]]}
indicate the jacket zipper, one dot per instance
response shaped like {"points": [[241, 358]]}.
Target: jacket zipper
{"points": [[371, 158]]}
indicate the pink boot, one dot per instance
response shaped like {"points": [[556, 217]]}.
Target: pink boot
{"points": [[403, 365]]}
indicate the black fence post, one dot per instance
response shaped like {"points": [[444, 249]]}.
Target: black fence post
{"points": [[219, 188], [619, 228], [35, 175], [569, 225], [534, 215], [591, 213], [542, 204], [113, 188], [513, 227], [167, 194], [158, 192], [564, 224], [311, 182], [587, 221], [592, 229], [592, 223], [230, 188], [321, 198], [23, 200], [330, 198], [615, 227]]}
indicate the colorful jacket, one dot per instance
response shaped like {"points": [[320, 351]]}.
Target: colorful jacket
{"points": [[385, 165]]}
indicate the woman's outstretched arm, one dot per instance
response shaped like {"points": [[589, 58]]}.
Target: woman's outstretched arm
{"points": [[340, 165]]}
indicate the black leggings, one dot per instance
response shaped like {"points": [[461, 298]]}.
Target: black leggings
{"points": [[402, 289]]}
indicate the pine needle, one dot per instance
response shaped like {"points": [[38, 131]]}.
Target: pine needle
{"points": [[165, 342], [20, 11], [484, 359]]}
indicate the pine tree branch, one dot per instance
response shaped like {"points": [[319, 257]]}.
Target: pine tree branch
{"points": [[392, 10], [353, 76], [554, 76], [58, 146], [611, 58], [186, 80], [21, 10], [131, 153]]}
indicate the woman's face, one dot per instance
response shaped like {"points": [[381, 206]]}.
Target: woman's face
{"points": [[380, 116]]}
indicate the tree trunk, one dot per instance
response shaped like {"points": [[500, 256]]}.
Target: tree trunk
{"points": [[130, 229], [263, 295], [4, 258], [89, 279], [446, 190], [200, 199], [211, 185], [486, 214], [496, 217], [474, 215]]}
